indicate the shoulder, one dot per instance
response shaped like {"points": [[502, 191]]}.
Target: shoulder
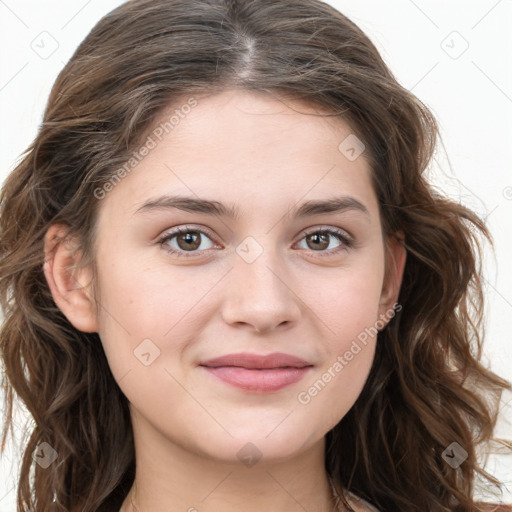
{"points": [[358, 504]]}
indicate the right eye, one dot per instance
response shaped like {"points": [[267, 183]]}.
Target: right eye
{"points": [[186, 240]]}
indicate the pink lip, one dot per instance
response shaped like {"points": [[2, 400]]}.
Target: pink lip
{"points": [[247, 360], [252, 372]]}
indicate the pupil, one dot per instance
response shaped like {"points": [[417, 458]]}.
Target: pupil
{"points": [[320, 238], [188, 238]]}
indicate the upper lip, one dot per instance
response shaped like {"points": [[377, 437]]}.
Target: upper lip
{"points": [[247, 360]]}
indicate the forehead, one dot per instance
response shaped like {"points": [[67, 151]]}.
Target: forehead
{"points": [[242, 119], [240, 145]]}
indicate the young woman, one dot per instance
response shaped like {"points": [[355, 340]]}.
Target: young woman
{"points": [[226, 282]]}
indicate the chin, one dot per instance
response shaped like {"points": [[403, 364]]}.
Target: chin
{"points": [[254, 446]]}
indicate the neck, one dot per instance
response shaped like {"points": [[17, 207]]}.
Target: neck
{"points": [[170, 479], [330, 504]]}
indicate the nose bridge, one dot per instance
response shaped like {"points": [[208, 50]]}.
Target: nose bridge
{"points": [[257, 266], [259, 294]]}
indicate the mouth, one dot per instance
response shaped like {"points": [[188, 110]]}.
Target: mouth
{"points": [[258, 373]]}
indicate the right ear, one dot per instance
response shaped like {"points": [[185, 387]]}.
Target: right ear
{"points": [[70, 285]]}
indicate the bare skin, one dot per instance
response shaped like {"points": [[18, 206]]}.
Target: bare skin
{"points": [[306, 293]]}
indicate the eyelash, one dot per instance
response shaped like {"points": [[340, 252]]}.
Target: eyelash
{"points": [[347, 242]]}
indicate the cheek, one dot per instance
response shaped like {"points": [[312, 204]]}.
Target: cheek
{"points": [[337, 385], [347, 306], [349, 348], [346, 301], [143, 301]]}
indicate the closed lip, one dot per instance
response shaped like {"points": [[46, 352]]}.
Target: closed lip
{"points": [[257, 361]]}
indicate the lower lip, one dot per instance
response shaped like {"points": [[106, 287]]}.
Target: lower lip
{"points": [[263, 381]]}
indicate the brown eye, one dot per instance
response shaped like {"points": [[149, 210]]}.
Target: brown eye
{"points": [[189, 240], [183, 241], [327, 242], [318, 241]]}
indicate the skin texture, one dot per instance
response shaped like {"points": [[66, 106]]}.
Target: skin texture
{"points": [[257, 154]]}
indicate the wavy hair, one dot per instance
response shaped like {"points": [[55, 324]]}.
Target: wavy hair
{"points": [[427, 387]]}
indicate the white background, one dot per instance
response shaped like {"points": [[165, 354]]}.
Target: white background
{"points": [[455, 56]]}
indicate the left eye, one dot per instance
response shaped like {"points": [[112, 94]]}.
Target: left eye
{"points": [[320, 240]]}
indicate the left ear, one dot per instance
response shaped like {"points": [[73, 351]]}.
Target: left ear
{"points": [[396, 255]]}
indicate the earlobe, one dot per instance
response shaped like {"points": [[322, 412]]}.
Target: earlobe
{"points": [[69, 284], [395, 263]]}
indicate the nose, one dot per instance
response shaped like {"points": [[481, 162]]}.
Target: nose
{"points": [[260, 295]]}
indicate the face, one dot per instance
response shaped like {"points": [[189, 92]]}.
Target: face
{"points": [[279, 251]]}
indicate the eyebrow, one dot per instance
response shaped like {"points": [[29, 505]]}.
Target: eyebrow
{"points": [[209, 207]]}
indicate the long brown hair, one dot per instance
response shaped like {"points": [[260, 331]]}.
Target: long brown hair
{"points": [[427, 388]]}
